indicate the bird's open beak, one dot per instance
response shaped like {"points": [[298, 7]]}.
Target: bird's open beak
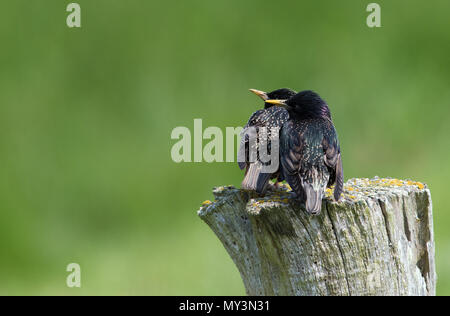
{"points": [[277, 102], [260, 94]]}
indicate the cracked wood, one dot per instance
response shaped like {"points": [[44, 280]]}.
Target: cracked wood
{"points": [[377, 241]]}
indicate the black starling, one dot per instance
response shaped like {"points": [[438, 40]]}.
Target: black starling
{"points": [[269, 117], [310, 153]]}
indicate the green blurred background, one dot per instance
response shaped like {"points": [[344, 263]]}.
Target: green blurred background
{"points": [[86, 117]]}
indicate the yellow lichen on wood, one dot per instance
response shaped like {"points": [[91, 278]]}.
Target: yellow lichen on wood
{"points": [[206, 203]]}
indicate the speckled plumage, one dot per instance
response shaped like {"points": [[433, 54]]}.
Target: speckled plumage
{"points": [[269, 117], [309, 150]]}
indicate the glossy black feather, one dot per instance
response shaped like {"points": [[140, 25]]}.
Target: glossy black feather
{"points": [[269, 117], [309, 150]]}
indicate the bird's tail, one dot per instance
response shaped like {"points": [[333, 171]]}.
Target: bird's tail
{"points": [[313, 199], [251, 176], [255, 180], [339, 187], [314, 190]]}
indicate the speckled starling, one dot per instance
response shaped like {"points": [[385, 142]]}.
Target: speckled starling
{"points": [[269, 117], [310, 153]]}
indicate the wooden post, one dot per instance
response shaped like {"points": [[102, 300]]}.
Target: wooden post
{"points": [[377, 241]]}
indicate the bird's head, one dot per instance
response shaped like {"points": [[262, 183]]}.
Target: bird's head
{"points": [[279, 94], [305, 104]]}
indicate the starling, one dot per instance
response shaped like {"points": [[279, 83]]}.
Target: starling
{"points": [[269, 117], [310, 153]]}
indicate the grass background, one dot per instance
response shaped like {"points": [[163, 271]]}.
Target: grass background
{"points": [[86, 116]]}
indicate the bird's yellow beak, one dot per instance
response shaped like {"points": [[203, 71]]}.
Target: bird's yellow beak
{"points": [[277, 102], [260, 94]]}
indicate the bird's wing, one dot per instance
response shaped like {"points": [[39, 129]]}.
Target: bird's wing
{"points": [[269, 118], [290, 155], [333, 160], [243, 153], [246, 134], [339, 179]]}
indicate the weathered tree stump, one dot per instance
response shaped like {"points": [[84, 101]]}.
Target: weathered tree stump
{"points": [[377, 241]]}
